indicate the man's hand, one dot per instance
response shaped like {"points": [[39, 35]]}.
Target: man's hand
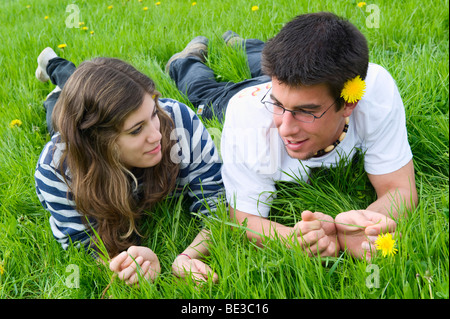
{"points": [[127, 269], [198, 271], [316, 233], [360, 241]]}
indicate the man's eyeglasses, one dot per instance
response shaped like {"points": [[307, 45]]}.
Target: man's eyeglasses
{"points": [[300, 115]]}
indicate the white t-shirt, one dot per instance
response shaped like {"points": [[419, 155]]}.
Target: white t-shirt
{"points": [[254, 156]]}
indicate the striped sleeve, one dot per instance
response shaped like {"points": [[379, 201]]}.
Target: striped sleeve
{"points": [[200, 163], [53, 193]]}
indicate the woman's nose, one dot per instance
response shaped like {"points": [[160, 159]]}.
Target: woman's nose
{"points": [[154, 134]]}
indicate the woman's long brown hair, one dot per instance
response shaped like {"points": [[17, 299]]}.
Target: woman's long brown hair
{"points": [[89, 115]]}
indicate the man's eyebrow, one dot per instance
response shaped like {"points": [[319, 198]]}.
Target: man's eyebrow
{"points": [[304, 106]]}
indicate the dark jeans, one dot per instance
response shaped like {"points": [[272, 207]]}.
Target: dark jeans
{"points": [[59, 70], [197, 81]]}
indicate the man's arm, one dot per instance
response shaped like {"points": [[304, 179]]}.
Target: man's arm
{"points": [[396, 194], [315, 233], [396, 191], [260, 227]]}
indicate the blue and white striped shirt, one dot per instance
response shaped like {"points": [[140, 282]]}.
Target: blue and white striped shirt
{"points": [[200, 174]]}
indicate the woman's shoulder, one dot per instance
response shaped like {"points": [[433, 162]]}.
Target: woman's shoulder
{"points": [[52, 151], [182, 115], [50, 157]]}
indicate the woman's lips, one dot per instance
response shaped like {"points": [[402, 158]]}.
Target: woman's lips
{"points": [[155, 150]]}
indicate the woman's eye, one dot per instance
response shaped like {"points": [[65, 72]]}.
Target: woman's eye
{"points": [[136, 131]]}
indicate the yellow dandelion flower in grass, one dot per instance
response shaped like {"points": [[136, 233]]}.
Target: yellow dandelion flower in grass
{"points": [[386, 244], [2, 270], [157, 3], [15, 123], [145, 8], [62, 46], [46, 17], [92, 32], [194, 3], [361, 4], [353, 90], [254, 8], [110, 7], [80, 23], [84, 28]]}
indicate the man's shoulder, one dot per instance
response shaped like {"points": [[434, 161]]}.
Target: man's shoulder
{"points": [[378, 77], [245, 107]]}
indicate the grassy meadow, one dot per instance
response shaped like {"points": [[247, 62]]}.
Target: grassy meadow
{"points": [[410, 38]]}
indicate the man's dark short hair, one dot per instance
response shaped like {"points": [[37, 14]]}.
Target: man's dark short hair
{"points": [[317, 48]]}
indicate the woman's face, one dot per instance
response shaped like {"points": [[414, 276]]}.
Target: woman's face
{"points": [[140, 140]]}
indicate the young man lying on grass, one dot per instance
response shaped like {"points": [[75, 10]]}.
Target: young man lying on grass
{"points": [[313, 99]]}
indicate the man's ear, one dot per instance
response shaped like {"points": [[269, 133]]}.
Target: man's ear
{"points": [[348, 108]]}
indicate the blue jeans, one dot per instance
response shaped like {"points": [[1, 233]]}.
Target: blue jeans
{"points": [[58, 70], [197, 81]]}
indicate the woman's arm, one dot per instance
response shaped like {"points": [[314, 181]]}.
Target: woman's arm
{"points": [[188, 263]]}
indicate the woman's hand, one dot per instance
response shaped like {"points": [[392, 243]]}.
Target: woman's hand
{"points": [[185, 267], [136, 260]]}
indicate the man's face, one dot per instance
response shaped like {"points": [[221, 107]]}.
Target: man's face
{"points": [[302, 140]]}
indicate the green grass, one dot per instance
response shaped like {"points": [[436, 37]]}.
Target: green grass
{"points": [[411, 42]]}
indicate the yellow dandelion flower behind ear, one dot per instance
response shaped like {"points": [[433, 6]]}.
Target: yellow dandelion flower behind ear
{"points": [[353, 90], [386, 244]]}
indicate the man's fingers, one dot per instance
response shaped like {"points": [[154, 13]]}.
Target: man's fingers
{"points": [[308, 215], [382, 224], [314, 240], [304, 227], [352, 221]]}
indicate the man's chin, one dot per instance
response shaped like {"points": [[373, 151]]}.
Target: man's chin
{"points": [[302, 156]]}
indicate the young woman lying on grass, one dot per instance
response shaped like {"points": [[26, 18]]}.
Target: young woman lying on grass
{"points": [[117, 148]]}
